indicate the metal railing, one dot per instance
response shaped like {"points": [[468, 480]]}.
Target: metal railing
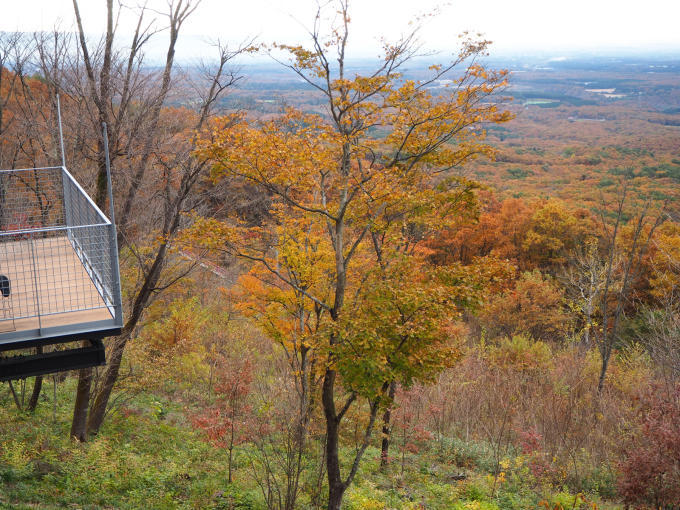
{"points": [[58, 249]]}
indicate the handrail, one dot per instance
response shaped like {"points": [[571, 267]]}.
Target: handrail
{"points": [[49, 229], [90, 201], [71, 179], [12, 170]]}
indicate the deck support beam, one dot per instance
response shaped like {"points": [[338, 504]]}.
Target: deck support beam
{"points": [[28, 365]]}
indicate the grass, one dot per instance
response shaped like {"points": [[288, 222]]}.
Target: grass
{"points": [[148, 459], [138, 461]]}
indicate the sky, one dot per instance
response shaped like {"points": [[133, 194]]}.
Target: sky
{"points": [[514, 26]]}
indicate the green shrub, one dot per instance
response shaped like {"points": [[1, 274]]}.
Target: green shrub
{"points": [[518, 173], [234, 497]]}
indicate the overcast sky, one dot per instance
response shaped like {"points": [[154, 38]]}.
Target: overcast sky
{"points": [[524, 26]]}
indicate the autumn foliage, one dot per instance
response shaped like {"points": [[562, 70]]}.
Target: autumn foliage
{"points": [[385, 295], [651, 469]]}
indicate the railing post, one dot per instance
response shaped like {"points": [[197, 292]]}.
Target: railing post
{"points": [[67, 202], [115, 276], [68, 220], [36, 277], [113, 239], [61, 133], [105, 134]]}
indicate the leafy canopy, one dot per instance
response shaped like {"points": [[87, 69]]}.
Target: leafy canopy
{"points": [[338, 266]]}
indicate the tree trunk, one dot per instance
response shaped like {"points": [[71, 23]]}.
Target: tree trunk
{"points": [[17, 402], [37, 387], [231, 457], [336, 488], [603, 372], [79, 424], [101, 400], [386, 429], [335, 497]]}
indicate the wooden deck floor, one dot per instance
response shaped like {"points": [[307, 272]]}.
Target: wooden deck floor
{"points": [[56, 286]]}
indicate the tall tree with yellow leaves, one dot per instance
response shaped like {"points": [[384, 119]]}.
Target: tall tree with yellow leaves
{"points": [[354, 195]]}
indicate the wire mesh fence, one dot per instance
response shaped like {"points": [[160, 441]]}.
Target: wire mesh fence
{"points": [[57, 251], [31, 199]]}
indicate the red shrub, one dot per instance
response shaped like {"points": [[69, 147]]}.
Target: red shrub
{"points": [[650, 472]]}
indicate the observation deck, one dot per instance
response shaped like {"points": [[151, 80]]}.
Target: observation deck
{"points": [[59, 275]]}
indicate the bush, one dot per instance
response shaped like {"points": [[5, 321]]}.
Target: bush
{"points": [[468, 454], [518, 173], [565, 500], [235, 498], [650, 472], [364, 497]]}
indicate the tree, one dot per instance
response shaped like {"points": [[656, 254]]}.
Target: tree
{"points": [[554, 232], [584, 278], [662, 317], [626, 243], [533, 234], [100, 89], [350, 207], [226, 423], [535, 305], [662, 336], [292, 322], [150, 155], [665, 261], [153, 170]]}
